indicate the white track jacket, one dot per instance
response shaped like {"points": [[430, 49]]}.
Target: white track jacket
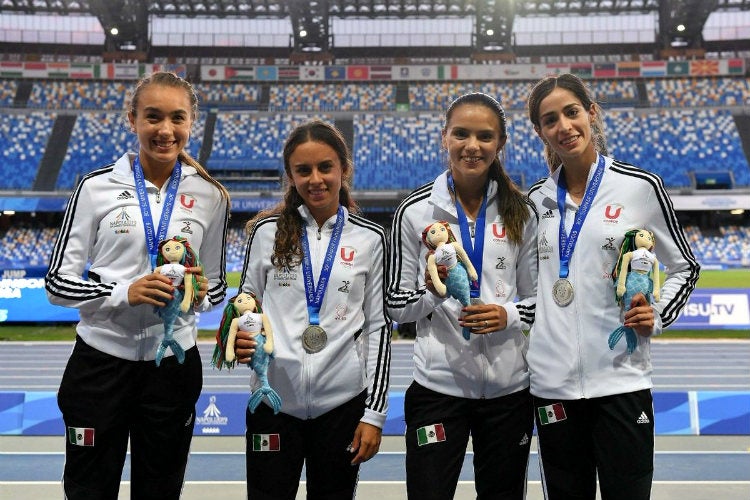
{"points": [[568, 353], [104, 227], [485, 366], [357, 355]]}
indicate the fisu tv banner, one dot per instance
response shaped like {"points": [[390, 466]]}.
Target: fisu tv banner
{"points": [[716, 308]]}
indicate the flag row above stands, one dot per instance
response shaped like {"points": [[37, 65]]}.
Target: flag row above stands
{"points": [[622, 69]]}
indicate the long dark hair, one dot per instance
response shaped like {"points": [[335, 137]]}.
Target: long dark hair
{"points": [[575, 85], [511, 204], [287, 248]]}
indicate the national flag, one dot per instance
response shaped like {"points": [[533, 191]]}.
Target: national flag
{"points": [[380, 73], [357, 72], [631, 69], [653, 68], [122, 71], [58, 70], [178, 69], [266, 73], [239, 73], [735, 66], [605, 70], [81, 436], [430, 434], [316, 73], [211, 72], [10, 69], [35, 70], [557, 68], [81, 70], [551, 413], [447, 72], [678, 68], [335, 72], [704, 67], [266, 442], [582, 70], [288, 72]]}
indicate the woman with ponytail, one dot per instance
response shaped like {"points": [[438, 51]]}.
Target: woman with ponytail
{"points": [[113, 392]]}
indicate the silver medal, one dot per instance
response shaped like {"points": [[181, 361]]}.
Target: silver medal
{"points": [[314, 338], [476, 301], [562, 292]]}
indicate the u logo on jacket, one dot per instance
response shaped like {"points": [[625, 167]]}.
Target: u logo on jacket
{"points": [[612, 211], [347, 254]]}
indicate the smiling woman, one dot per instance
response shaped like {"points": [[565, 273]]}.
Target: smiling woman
{"points": [[318, 268], [110, 237]]}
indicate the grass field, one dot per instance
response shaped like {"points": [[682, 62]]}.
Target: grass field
{"points": [[733, 278]]}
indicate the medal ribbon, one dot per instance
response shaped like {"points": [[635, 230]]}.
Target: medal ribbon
{"points": [[152, 240], [568, 242], [475, 250], [313, 293]]}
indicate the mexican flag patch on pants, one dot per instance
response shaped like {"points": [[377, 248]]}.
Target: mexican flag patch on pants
{"points": [[81, 436], [266, 442], [430, 434], [551, 413]]}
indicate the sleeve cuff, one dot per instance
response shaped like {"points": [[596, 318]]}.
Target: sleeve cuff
{"points": [[373, 418]]}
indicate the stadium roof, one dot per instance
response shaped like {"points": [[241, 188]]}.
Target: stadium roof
{"points": [[680, 24]]}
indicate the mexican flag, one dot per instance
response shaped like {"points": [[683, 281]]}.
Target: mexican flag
{"points": [[551, 413], [266, 442], [81, 436], [430, 434]]}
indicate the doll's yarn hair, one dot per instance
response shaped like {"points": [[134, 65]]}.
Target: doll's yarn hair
{"points": [[189, 259], [426, 232], [222, 334], [627, 245]]}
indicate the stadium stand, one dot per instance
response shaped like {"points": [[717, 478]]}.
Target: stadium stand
{"points": [[227, 95], [687, 126], [23, 139], [698, 92], [7, 93], [675, 127], [332, 97], [98, 95], [30, 245]]}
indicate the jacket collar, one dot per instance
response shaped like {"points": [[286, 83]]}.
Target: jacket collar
{"points": [[441, 196], [123, 170], [310, 220]]}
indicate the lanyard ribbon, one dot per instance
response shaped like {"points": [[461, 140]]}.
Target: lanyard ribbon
{"points": [[475, 250], [568, 242], [152, 240], [314, 294]]}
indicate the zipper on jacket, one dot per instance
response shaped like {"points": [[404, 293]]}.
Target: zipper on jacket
{"points": [[158, 196], [319, 232], [484, 367], [308, 383]]}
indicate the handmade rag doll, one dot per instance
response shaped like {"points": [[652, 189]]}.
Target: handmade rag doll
{"points": [[636, 271], [174, 257], [244, 313], [445, 250]]}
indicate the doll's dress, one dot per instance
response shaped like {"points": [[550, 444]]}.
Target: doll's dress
{"points": [[252, 323], [457, 283], [170, 312], [637, 281]]}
